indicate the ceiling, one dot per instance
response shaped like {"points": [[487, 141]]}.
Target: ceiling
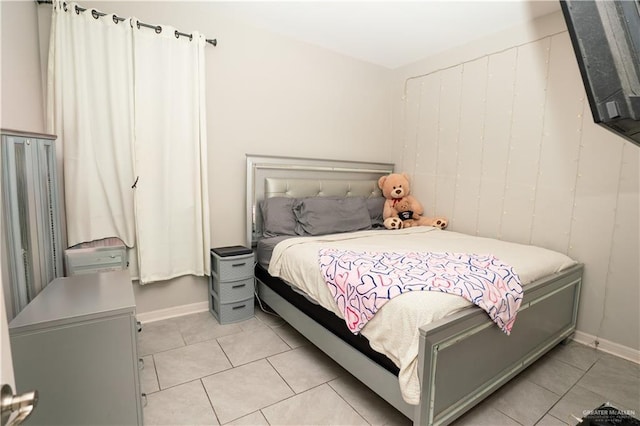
{"points": [[388, 33]]}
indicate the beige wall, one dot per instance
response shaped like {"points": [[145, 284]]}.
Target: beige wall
{"points": [[266, 94], [499, 138], [22, 106]]}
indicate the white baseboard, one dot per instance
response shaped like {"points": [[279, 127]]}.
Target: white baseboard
{"points": [[176, 311], [607, 346]]}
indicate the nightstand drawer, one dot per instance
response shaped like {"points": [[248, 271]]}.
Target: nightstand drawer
{"points": [[227, 313], [230, 291], [233, 268]]}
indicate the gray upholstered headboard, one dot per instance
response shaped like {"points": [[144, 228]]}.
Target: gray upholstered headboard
{"points": [[304, 177], [286, 187]]}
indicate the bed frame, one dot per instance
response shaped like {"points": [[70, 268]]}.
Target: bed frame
{"points": [[462, 358]]}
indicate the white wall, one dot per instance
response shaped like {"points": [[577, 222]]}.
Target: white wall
{"points": [[499, 137]]}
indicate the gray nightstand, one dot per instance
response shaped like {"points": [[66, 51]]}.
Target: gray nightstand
{"points": [[231, 285]]}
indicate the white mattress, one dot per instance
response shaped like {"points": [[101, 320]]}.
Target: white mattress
{"points": [[393, 331]]}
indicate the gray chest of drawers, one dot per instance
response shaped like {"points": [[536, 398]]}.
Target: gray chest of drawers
{"points": [[231, 286], [76, 343]]}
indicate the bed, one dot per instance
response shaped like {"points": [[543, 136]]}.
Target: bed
{"points": [[445, 354]]}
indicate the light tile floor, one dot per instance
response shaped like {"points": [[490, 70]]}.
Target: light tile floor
{"points": [[262, 372]]}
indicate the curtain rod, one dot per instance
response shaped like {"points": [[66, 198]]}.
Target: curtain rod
{"points": [[116, 19]]}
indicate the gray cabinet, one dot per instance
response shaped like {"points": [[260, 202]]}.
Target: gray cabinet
{"points": [[231, 286], [30, 213], [76, 343]]}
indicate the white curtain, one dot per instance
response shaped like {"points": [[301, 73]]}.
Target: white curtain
{"points": [[128, 107], [90, 109], [171, 154]]}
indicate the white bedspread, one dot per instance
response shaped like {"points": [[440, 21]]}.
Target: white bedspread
{"points": [[393, 331]]}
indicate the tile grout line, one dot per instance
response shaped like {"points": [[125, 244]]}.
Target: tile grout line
{"points": [[584, 373], [547, 359], [280, 375], [155, 370], [209, 399], [571, 387], [297, 394], [346, 402]]}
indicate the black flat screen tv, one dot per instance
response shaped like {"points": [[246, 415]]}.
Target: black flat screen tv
{"points": [[605, 35]]}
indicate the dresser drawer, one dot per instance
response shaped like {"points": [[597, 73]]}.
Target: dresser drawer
{"points": [[230, 291], [91, 260], [232, 268], [227, 313]]}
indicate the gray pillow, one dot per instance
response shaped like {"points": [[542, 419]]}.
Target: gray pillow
{"points": [[277, 216], [329, 215], [376, 210]]}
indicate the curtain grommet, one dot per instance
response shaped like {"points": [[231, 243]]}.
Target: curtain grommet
{"points": [[158, 29]]}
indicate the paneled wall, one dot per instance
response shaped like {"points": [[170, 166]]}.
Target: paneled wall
{"points": [[504, 145]]}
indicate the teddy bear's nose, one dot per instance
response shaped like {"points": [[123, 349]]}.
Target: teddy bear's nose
{"points": [[398, 191]]}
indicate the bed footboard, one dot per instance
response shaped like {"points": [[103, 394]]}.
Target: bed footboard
{"points": [[464, 358]]}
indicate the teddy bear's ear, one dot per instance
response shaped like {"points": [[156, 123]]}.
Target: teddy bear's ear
{"points": [[381, 181], [406, 176]]}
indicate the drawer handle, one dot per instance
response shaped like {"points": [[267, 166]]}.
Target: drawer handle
{"points": [[238, 286], [238, 307], [239, 264]]}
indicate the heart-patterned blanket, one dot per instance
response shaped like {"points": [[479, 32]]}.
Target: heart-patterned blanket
{"points": [[362, 282]]}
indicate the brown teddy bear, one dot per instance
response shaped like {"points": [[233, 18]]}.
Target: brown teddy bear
{"points": [[401, 209]]}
